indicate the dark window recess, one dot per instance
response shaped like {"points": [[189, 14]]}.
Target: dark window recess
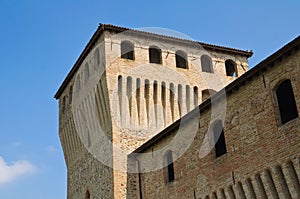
{"points": [[230, 68], [170, 167], [181, 59], [286, 101], [155, 55], [87, 195], [219, 138], [127, 50], [206, 64]]}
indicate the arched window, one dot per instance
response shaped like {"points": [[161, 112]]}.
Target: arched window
{"points": [[286, 101], [207, 93], [219, 139], [127, 50], [230, 68], [169, 167], [181, 59], [155, 55], [206, 64], [87, 195]]}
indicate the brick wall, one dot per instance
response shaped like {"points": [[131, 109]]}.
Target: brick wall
{"points": [[262, 159]]}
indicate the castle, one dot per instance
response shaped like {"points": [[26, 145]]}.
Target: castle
{"points": [[144, 115]]}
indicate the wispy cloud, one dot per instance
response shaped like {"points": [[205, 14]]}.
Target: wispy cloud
{"points": [[16, 144], [51, 148], [9, 173]]}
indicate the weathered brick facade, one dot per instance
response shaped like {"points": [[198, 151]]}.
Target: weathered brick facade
{"points": [[263, 155], [109, 106]]}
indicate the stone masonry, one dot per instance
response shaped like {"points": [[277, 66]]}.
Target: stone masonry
{"points": [[263, 154], [109, 105]]}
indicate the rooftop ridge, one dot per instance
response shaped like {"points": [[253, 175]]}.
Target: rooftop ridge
{"points": [[248, 53]]}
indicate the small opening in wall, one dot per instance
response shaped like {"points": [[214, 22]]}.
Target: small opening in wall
{"points": [[230, 66], [219, 139], [206, 64], [169, 169], [286, 101], [155, 55], [127, 50], [87, 195], [181, 59]]}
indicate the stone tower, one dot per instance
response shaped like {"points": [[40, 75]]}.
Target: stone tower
{"points": [[125, 87]]}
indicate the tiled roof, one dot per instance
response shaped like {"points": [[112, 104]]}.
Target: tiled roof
{"points": [[113, 28]]}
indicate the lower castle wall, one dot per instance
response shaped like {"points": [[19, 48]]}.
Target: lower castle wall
{"points": [[263, 156], [89, 174]]}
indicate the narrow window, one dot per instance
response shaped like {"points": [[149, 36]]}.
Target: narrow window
{"points": [[155, 55], [181, 59], [170, 167], [230, 68], [206, 64], [87, 195], [127, 50], [286, 101], [219, 139]]}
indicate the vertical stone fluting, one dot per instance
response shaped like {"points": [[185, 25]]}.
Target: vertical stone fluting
{"points": [[294, 184]]}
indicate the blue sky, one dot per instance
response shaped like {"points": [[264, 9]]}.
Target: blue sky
{"points": [[41, 40]]}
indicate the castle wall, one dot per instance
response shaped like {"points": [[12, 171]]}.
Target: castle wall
{"points": [[145, 98], [94, 112], [83, 104], [262, 159]]}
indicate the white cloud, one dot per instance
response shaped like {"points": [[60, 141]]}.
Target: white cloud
{"points": [[51, 148], [8, 173]]}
